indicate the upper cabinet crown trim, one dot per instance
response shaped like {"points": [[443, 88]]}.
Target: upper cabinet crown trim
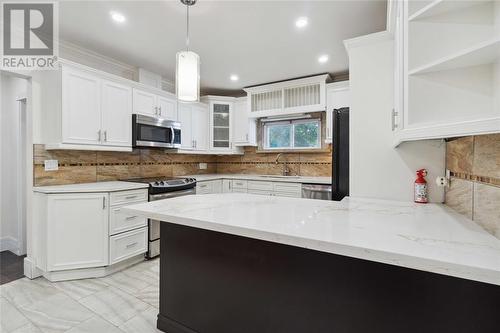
{"points": [[116, 78]]}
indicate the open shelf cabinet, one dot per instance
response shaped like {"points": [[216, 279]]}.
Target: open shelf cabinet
{"points": [[448, 69]]}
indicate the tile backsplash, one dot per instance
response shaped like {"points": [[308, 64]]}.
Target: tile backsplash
{"points": [[82, 166], [474, 164], [314, 164]]}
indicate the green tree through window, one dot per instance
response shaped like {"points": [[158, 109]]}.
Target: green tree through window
{"points": [[300, 134]]}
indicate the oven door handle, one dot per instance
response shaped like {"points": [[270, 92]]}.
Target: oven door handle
{"points": [[154, 197]]}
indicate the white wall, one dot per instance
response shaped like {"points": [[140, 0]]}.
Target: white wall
{"points": [[377, 170], [11, 223]]}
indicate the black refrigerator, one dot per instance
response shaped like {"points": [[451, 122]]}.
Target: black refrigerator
{"points": [[340, 156]]}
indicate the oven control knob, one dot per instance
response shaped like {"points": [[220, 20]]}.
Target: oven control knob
{"points": [[156, 183], [162, 183]]}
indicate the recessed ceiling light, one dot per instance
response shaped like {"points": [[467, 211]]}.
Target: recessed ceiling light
{"points": [[234, 77], [117, 17], [323, 58], [301, 22]]}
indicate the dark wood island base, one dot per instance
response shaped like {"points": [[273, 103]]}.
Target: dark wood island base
{"points": [[212, 282]]}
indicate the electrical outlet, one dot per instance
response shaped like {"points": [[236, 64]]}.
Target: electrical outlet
{"points": [[203, 166], [51, 165]]}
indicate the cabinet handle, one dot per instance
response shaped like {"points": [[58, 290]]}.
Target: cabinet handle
{"points": [[99, 135], [130, 218], [159, 110], [103, 202], [131, 245], [247, 137], [196, 143], [105, 136], [394, 114], [131, 197], [156, 110]]}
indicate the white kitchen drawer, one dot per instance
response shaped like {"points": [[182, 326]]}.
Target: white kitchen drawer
{"points": [[127, 245], [240, 190], [260, 192], [204, 187], [127, 197], [287, 187], [239, 184], [120, 222], [288, 194], [260, 186]]}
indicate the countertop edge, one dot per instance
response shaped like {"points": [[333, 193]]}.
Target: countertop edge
{"points": [[392, 258], [269, 178], [99, 187]]}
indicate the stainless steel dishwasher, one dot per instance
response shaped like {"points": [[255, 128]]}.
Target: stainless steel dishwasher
{"points": [[315, 191]]}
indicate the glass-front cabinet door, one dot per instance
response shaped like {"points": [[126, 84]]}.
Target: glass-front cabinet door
{"points": [[221, 125]]}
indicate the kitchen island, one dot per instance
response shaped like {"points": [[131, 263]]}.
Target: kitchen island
{"points": [[247, 263]]}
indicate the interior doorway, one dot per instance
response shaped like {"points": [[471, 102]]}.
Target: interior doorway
{"points": [[13, 175]]}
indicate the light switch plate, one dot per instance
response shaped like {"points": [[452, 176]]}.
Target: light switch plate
{"points": [[51, 165], [203, 166]]}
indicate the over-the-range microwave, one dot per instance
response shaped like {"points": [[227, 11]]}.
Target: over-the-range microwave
{"points": [[155, 132]]}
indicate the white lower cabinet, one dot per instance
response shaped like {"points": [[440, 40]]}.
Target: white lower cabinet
{"points": [[79, 231], [127, 245], [281, 189], [209, 186]]}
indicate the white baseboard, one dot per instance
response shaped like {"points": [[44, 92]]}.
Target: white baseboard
{"points": [[30, 269], [9, 244], [87, 273]]}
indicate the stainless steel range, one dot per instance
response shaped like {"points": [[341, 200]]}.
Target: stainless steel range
{"points": [[159, 189]]}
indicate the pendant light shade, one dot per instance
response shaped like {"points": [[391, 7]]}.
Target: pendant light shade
{"points": [[187, 76]]}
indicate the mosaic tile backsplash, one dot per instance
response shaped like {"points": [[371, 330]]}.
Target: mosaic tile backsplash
{"points": [[474, 163], [82, 166]]}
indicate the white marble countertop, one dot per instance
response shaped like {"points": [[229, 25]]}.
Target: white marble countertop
{"points": [[428, 237], [91, 187], [270, 178]]}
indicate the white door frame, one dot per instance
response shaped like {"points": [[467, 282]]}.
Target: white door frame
{"points": [[29, 265]]}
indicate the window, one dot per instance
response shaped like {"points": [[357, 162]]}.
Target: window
{"points": [[294, 134]]}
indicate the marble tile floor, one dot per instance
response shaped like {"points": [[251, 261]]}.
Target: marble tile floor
{"points": [[126, 301]]}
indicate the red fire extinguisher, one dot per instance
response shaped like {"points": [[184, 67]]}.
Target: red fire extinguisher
{"points": [[421, 187]]}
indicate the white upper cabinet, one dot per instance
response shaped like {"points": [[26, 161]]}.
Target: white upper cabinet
{"points": [[153, 105], [244, 127], [221, 113], [81, 107], [288, 97], [186, 119], [194, 122], [167, 107], [447, 58], [145, 103], [116, 114], [200, 126], [337, 96]]}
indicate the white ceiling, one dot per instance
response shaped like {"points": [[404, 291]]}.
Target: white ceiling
{"points": [[257, 40]]}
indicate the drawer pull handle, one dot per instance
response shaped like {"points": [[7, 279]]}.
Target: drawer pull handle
{"points": [[130, 217], [131, 245], [131, 197], [203, 185]]}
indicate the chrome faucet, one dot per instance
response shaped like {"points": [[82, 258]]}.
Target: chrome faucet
{"points": [[286, 170]]}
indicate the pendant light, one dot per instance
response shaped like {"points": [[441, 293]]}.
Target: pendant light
{"points": [[187, 71]]}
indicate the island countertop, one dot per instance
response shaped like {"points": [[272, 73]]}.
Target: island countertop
{"points": [[428, 237]]}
